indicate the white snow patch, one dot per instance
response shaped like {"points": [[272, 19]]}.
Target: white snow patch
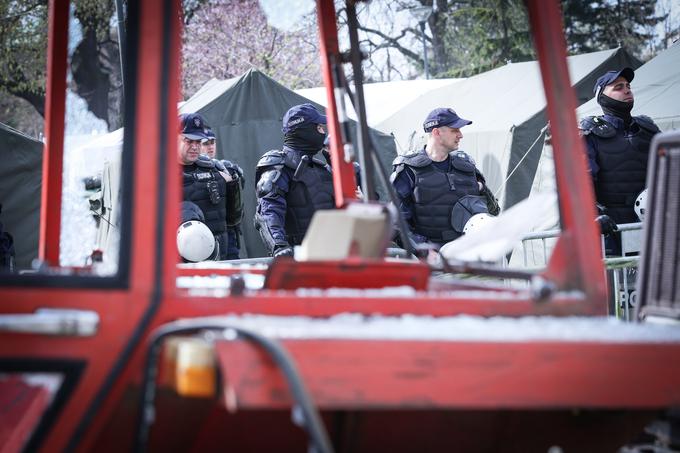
{"points": [[453, 328]]}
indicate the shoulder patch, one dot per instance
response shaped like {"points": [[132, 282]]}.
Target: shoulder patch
{"points": [[647, 123], [596, 125], [462, 155]]}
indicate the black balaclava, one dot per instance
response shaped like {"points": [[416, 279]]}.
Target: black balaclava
{"points": [[616, 108], [305, 138]]}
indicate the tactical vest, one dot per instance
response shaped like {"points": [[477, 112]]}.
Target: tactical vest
{"points": [[622, 156], [208, 189], [436, 193], [311, 189]]}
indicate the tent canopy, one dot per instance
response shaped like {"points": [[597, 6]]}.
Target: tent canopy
{"points": [[246, 114], [507, 108], [383, 99], [20, 185]]}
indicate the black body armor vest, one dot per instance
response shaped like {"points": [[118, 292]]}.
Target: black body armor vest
{"points": [[436, 193], [622, 156], [311, 188], [206, 188]]}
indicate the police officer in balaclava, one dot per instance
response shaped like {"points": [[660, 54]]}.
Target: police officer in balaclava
{"points": [[618, 148], [292, 183]]}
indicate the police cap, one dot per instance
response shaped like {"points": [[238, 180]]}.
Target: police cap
{"points": [[444, 117], [609, 77], [192, 126]]}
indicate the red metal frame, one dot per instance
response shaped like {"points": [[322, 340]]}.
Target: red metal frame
{"points": [[577, 202], [22, 407], [55, 107], [344, 179], [455, 374]]}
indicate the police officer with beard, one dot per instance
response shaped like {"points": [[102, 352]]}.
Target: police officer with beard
{"points": [[438, 187], [292, 183], [203, 182], [618, 150]]}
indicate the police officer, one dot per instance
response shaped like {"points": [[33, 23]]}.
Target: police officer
{"points": [[292, 183], [438, 187], [203, 183], [618, 148], [209, 148]]}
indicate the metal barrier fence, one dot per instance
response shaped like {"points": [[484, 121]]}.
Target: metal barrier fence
{"points": [[621, 270]]}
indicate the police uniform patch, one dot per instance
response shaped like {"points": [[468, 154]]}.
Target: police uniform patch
{"points": [[292, 123], [465, 156]]}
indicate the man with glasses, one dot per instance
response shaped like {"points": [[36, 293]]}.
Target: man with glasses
{"points": [[292, 183], [438, 187], [203, 183], [234, 197]]}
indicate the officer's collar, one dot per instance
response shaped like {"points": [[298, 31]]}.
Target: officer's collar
{"points": [[614, 120], [288, 149]]}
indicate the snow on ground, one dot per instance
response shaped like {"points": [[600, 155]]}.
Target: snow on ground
{"points": [[454, 328]]}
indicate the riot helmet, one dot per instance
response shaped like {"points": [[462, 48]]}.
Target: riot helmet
{"points": [[195, 242], [476, 222], [641, 205]]}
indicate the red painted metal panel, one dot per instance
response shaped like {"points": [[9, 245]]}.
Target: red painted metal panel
{"points": [[173, 188], [577, 202], [153, 145], [21, 408], [289, 274], [55, 107], [120, 311], [344, 179], [191, 271], [429, 374], [420, 303]]}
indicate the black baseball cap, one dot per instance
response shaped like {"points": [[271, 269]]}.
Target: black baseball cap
{"points": [[192, 126], [444, 117], [609, 77]]}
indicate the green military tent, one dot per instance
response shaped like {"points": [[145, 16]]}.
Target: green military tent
{"points": [[20, 185]]}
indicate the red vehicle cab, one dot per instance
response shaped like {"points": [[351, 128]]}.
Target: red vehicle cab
{"points": [[436, 367]]}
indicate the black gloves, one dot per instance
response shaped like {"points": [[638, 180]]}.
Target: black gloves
{"points": [[607, 225], [282, 250]]}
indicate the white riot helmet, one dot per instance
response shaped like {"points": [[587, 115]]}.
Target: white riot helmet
{"points": [[641, 205], [476, 221], [195, 241]]}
